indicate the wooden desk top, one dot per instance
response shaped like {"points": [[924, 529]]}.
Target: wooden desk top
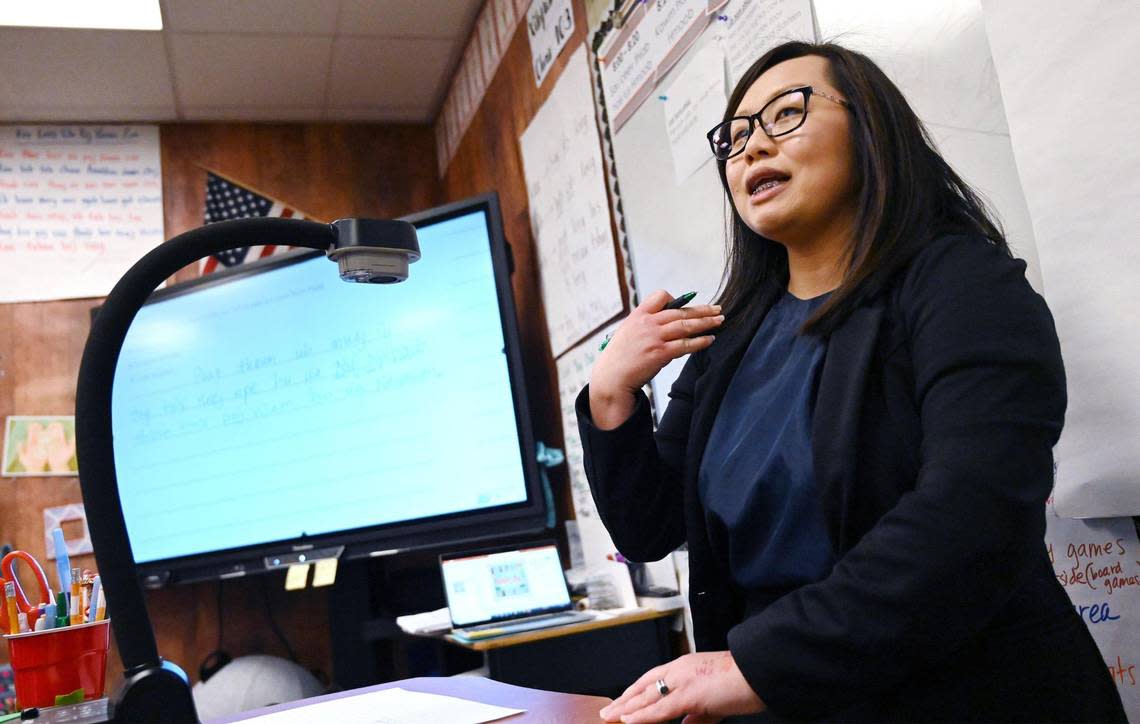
{"points": [[542, 707], [498, 642]]}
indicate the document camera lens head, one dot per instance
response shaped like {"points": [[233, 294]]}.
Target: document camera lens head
{"points": [[374, 251]]}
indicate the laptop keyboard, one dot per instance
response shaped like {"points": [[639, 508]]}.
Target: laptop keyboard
{"points": [[529, 623]]}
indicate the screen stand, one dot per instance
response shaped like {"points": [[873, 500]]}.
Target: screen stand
{"points": [[154, 693]]}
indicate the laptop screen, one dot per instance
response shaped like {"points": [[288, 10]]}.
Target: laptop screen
{"points": [[485, 587]]}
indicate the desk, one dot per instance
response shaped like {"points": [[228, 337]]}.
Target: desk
{"points": [[541, 706], [602, 656]]}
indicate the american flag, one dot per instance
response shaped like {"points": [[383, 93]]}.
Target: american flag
{"points": [[226, 200]]}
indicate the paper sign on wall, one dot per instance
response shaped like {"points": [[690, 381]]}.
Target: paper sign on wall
{"points": [[549, 25], [569, 211], [1098, 563], [693, 105], [78, 206], [755, 26]]}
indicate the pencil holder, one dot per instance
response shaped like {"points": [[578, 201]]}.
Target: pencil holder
{"points": [[59, 661]]}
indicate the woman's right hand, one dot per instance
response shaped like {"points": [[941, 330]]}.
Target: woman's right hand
{"points": [[649, 338]]}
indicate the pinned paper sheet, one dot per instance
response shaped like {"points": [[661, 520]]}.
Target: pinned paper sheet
{"points": [[324, 572], [297, 577], [569, 211], [78, 206], [392, 706], [1082, 200], [693, 105], [754, 27], [1098, 563]]}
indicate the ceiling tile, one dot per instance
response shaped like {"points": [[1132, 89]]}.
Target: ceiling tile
{"points": [[312, 17], [372, 72], [402, 18], [250, 70], [276, 114], [46, 68]]}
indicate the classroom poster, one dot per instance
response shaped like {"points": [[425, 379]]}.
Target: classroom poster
{"points": [[549, 25], [635, 58], [573, 375], [79, 205], [1098, 563], [569, 210], [752, 27], [628, 69], [693, 104], [43, 446]]}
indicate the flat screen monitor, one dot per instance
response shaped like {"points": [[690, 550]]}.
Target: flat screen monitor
{"points": [[273, 409]]}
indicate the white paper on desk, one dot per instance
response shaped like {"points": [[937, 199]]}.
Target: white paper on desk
{"points": [[1098, 563], [428, 622], [693, 105], [392, 706], [569, 211], [1082, 199]]}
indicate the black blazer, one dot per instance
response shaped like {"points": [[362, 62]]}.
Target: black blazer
{"points": [[937, 409]]}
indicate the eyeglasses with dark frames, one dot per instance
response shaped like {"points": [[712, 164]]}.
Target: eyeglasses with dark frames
{"points": [[779, 116]]}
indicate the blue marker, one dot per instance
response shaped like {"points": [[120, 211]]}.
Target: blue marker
{"points": [[49, 616], [93, 604], [62, 562]]}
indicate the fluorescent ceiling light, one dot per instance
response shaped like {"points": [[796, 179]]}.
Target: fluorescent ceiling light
{"points": [[114, 15]]}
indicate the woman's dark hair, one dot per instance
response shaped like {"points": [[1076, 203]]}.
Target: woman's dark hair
{"points": [[906, 194]]}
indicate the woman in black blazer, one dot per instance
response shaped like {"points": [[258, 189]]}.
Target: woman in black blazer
{"points": [[859, 462]]}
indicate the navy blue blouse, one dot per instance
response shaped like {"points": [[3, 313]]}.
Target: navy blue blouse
{"points": [[757, 482]]}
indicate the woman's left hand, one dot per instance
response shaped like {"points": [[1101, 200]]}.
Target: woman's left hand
{"points": [[706, 687]]}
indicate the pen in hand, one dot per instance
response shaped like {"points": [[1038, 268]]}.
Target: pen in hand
{"points": [[675, 303]]}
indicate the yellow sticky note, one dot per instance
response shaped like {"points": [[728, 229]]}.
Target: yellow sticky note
{"points": [[325, 572], [297, 577]]}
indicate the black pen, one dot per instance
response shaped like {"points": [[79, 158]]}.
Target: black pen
{"points": [[681, 301], [675, 303]]}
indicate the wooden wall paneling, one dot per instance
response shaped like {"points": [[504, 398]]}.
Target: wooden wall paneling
{"points": [[329, 170], [489, 158]]}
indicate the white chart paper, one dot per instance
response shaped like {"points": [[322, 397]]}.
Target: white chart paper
{"points": [[78, 206], [755, 26], [694, 104], [569, 212], [1098, 563], [1084, 201], [573, 374]]}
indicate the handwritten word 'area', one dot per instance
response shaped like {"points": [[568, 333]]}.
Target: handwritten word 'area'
{"points": [[1096, 613]]}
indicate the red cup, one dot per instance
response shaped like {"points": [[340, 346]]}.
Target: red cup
{"points": [[47, 664]]}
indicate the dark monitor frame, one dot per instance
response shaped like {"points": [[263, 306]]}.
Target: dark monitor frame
{"points": [[450, 530]]}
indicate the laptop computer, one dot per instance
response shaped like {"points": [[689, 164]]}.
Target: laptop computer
{"points": [[503, 591]]}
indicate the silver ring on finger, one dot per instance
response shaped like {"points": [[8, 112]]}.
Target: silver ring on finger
{"points": [[662, 687]]}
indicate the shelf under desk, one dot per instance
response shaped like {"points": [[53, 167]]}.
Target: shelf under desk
{"points": [[602, 656]]}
